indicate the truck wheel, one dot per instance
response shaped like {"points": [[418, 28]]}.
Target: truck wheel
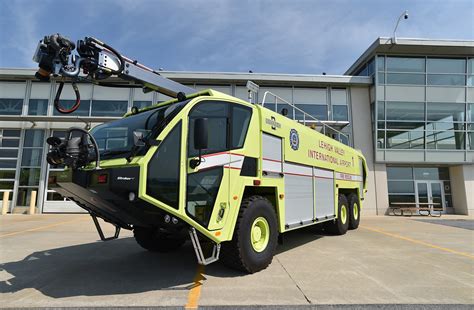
{"points": [[341, 224], [255, 236], [354, 211], [156, 241]]}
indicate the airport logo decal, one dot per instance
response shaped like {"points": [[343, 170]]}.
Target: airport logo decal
{"points": [[294, 139]]}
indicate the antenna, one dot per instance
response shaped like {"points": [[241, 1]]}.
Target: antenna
{"points": [[394, 37]]}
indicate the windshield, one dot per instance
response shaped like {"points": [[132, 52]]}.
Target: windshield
{"points": [[115, 139]]}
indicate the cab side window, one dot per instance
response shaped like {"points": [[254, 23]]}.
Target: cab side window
{"points": [[217, 114], [240, 124], [228, 124]]}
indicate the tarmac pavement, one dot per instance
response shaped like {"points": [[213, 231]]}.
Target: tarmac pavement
{"points": [[57, 261]]}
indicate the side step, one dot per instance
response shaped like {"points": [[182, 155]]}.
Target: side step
{"points": [[199, 254], [101, 233]]}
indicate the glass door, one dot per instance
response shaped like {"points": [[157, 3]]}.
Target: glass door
{"points": [[430, 194]]}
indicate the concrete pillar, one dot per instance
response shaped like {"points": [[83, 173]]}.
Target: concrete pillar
{"points": [[363, 140], [33, 202], [5, 203], [462, 188], [381, 188]]}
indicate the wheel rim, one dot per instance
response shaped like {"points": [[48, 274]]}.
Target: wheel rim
{"points": [[260, 234], [355, 209], [343, 214]]}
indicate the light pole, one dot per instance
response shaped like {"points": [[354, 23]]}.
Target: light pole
{"points": [[394, 37]]}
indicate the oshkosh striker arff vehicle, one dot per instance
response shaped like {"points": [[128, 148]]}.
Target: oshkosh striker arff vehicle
{"points": [[227, 172]]}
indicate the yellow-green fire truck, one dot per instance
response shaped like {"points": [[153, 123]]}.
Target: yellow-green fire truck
{"points": [[228, 173]]}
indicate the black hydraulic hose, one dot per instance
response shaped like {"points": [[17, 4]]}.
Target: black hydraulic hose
{"points": [[94, 142], [57, 105]]}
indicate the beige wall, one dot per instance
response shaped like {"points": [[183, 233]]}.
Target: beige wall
{"points": [[363, 140], [462, 188]]}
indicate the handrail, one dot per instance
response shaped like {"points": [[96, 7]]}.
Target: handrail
{"points": [[305, 115]]}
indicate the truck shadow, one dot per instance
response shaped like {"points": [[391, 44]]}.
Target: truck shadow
{"points": [[115, 267]]}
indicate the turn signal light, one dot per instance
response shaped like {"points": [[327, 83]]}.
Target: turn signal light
{"points": [[102, 178]]}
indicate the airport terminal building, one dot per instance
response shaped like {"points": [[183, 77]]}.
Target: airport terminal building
{"points": [[408, 105]]}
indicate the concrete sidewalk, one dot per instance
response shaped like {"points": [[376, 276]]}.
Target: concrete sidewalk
{"points": [[56, 261]]}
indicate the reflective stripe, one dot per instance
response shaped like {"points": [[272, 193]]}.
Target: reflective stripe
{"points": [[271, 165], [228, 160]]}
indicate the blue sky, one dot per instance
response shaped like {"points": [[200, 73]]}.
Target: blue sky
{"points": [[218, 35]]}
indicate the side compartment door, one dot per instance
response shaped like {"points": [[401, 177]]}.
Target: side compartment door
{"points": [[207, 185]]}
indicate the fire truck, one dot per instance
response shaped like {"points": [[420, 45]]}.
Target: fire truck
{"points": [[231, 175]]}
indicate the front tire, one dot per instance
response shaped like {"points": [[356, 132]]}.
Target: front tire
{"points": [[255, 237], [341, 224], [155, 241]]}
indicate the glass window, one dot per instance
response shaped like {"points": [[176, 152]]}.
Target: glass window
{"points": [[380, 139], [470, 66], [401, 187], [217, 115], [399, 173], [163, 169], [8, 153], [11, 106], [7, 174], [446, 79], [34, 138], [445, 112], [405, 139], [381, 78], [338, 96], [340, 113], [142, 104], [445, 65], [380, 110], [405, 111], [318, 111], [471, 112], [201, 193], [31, 157], [431, 173], [405, 64], [8, 163], [240, 123], [83, 109], [445, 140], [109, 108], [405, 78], [471, 140], [38, 107], [371, 67], [6, 185], [470, 80], [29, 176], [381, 63]]}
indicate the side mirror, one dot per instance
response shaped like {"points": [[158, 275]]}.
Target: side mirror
{"points": [[201, 137], [138, 138], [201, 134]]}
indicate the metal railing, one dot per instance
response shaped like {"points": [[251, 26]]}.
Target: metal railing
{"points": [[326, 129]]}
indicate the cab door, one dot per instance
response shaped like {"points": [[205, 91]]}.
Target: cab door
{"points": [[207, 194]]}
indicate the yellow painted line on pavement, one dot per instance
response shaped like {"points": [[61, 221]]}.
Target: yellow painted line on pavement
{"points": [[195, 291], [40, 228], [419, 242]]}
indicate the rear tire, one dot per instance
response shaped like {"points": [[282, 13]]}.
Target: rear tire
{"points": [[354, 211], [155, 241], [255, 237], [341, 224]]}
